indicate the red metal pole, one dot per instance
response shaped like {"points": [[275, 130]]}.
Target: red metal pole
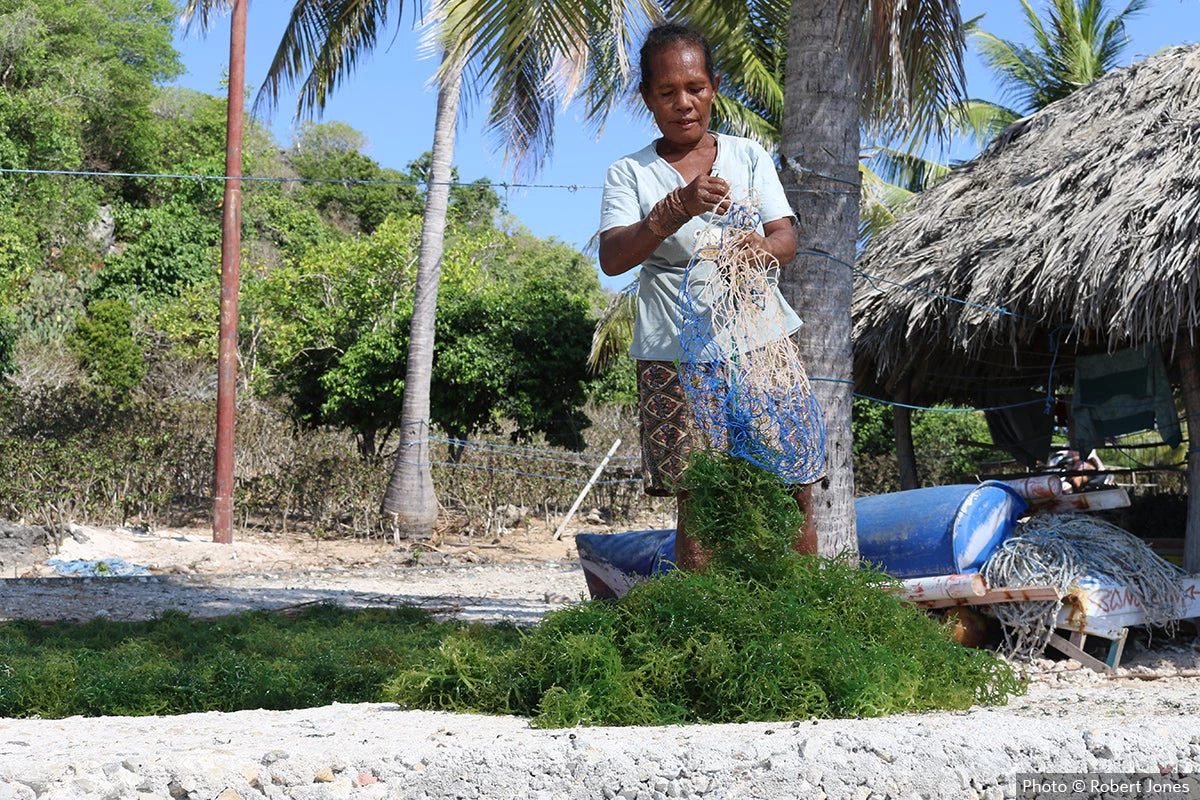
{"points": [[231, 248]]}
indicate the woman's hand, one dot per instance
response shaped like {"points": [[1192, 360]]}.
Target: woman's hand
{"points": [[777, 242], [706, 193]]}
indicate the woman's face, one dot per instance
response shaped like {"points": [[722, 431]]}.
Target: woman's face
{"points": [[680, 94]]}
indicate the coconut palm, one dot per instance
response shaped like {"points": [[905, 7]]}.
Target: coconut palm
{"points": [[1076, 43], [851, 65]]}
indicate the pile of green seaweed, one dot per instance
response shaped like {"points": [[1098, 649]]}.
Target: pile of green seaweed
{"points": [[761, 634]]}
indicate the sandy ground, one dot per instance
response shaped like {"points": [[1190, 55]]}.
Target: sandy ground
{"points": [[1146, 720]]}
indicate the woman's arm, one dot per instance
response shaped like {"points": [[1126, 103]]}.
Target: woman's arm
{"points": [[623, 248], [778, 239]]}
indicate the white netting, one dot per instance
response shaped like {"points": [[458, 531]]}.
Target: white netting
{"points": [[743, 375], [1057, 550]]}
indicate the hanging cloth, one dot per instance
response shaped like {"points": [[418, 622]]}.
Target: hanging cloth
{"points": [[1121, 393], [1023, 431]]}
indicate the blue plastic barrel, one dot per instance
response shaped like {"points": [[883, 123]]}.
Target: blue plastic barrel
{"points": [[940, 530]]}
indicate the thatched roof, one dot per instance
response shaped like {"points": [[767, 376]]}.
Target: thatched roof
{"points": [[1083, 218]]}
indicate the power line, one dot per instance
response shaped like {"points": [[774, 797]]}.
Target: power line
{"points": [[571, 187]]}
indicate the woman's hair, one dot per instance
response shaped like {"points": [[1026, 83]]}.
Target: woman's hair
{"points": [[662, 36]]}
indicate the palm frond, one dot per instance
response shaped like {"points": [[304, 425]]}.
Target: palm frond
{"points": [[912, 68], [905, 170], [532, 56], [981, 120], [1077, 43], [614, 329], [325, 39], [881, 204], [732, 116], [202, 11], [1018, 68]]}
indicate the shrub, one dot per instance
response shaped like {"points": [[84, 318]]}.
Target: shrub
{"points": [[103, 340]]}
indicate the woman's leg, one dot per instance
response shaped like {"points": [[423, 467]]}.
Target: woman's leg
{"points": [[805, 542], [689, 555]]}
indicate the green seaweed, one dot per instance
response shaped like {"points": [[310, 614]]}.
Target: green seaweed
{"points": [[761, 634]]}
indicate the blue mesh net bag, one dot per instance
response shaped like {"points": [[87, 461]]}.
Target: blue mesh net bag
{"points": [[743, 376]]}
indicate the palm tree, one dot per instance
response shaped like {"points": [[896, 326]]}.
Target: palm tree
{"points": [[1077, 43], [851, 63], [326, 38]]}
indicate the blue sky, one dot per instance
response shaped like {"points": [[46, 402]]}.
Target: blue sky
{"points": [[388, 99]]}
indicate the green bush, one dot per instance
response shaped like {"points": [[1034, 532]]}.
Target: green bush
{"points": [[103, 340], [938, 436], [170, 247]]}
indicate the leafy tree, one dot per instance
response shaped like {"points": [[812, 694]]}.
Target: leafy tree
{"points": [[872, 423], [514, 352], [937, 435], [333, 152], [172, 246], [75, 79], [95, 63], [190, 124], [287, 223], [516, 324], [342, 301]]}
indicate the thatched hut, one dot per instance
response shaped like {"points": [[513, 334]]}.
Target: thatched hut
{"points": [[1077, 231]]}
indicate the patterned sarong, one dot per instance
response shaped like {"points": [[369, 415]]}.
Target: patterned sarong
{"points": [[668, 427]]}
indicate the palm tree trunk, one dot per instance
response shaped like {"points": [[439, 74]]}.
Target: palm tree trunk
{"points": [[410, 501], [819, 147]]}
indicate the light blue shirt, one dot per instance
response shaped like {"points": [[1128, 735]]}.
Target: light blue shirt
{"points": [[638, 181]]}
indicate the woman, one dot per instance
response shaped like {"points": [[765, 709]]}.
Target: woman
{"points": [[655, 202]]}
